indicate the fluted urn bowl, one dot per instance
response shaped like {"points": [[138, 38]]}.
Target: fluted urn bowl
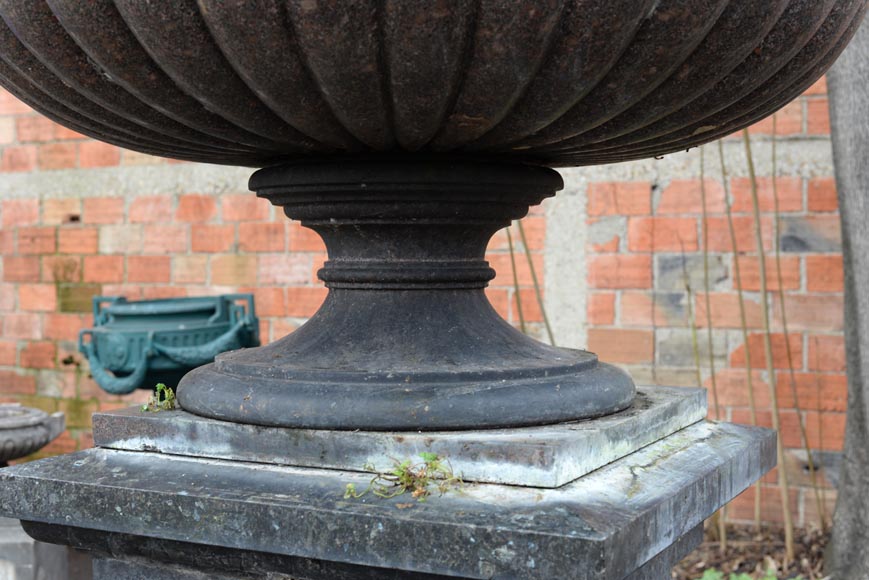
{"points": [[561, 83], [406, 133]]}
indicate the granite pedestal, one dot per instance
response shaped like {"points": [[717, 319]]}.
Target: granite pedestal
{"points": [[171, 495]]}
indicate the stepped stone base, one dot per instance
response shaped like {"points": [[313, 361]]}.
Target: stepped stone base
{"points": [[151, 514]]}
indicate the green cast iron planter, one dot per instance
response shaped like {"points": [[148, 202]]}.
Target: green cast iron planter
{"points": [[135, 345]]}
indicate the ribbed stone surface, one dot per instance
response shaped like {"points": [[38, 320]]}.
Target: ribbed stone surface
{"points": [[559, 82]]}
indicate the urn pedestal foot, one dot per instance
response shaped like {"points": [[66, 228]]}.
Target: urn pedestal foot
{"points": [[406, 339]]}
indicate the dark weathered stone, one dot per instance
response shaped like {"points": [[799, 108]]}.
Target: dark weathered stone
{"points": [[603, 526], [561, 82], [406, 338], [547, 456]]}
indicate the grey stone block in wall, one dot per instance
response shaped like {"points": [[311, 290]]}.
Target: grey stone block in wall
{"points": [[671, 270]]}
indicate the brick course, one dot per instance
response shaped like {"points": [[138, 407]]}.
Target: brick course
{"points": [[644, 252]]}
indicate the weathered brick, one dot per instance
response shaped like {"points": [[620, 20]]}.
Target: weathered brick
{"points": [[821, 312], [190, 269], [10, 105], [742, 507], [504, 268], [7, 130], [165, 239], [7, 297], [685, 197], [790, 194], [601, 308], [97, 154], [262, 237], [151, 209], [63, 326], [121, 239], [39, 355], [212, 238], [37, 297], [37, 240], [818, 111], [620, 198], [622, 346], [196, 208], [103, 269], [52, 156], [724, 311], [64, 134], [283, 269], [21, 268], [756, 344], [733, 391], [534, 227], [814, 391], [34, 128], [270, 301], [20, 212], [8, 353], [61, 269], [825, 274], [103, 210], [243, 207], [302, 302], [151, 269], [827, 353], [744, 227], [822, 195], [657, 309], [235, 270], [18, 158], [620, 271], [162, 292], [77, 240], [658, 234], [789, 121], [749, 269], [64, 210], [17, 383], [304, 239], [21, 325]]}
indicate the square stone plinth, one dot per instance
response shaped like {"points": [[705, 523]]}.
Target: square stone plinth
{"points": [[238, 519], [548, 456]]}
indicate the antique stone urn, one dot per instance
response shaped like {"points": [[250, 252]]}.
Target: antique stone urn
{"points": [[24, 431], [406, 133]]}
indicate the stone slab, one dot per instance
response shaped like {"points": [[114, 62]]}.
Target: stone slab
{"points": [[548, 456], [604, 526], [135, 567]]}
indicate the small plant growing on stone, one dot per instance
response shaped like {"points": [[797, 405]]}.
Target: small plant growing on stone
{"points": [[418, 479], [163, 399]]}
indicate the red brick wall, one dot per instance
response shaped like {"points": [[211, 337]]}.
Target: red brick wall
{"points": [[638, 309], [60, 249]]}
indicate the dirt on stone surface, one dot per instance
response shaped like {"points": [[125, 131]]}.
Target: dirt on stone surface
{"points": [[758, 554]]}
